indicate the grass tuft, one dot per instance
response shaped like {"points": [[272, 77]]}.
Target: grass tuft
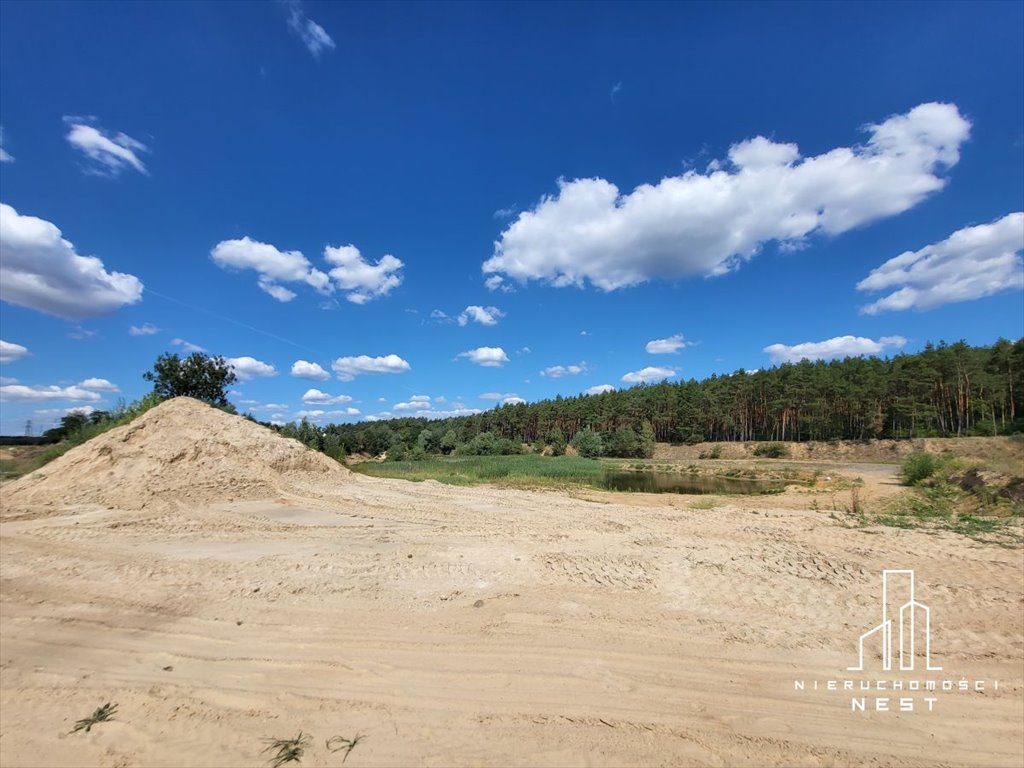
{"points": [[100, 715], [287, 750], [340, 743]]}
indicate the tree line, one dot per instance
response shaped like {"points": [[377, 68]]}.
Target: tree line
{"points": [[945, 390]]}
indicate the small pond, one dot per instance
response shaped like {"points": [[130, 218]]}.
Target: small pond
{"points": [[672, 482]]}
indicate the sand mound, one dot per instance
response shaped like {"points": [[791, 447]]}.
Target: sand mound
{"points": [[183, 452]]}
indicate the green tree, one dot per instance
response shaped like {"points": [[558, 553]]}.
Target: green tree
{"points": [[198, 375], [588, 444]]}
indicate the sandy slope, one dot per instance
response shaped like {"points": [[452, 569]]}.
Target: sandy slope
{"points": [[484, 627]]}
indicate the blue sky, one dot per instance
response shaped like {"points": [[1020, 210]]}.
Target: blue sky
{"points": [[444, 206]]}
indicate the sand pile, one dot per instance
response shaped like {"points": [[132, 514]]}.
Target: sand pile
{"points": [[183, 452]]}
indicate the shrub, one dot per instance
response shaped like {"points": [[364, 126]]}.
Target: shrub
{"points": [[588, 444], [771, 450], [557, 442], [489, 444], [918, 467], [714, 453]]}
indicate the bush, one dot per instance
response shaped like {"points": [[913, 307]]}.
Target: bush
{"points": [[918, 467], [626, 443], [695, 438], [771, 450], [714, 453], [588, 444], [557, 442], [489, 444]]}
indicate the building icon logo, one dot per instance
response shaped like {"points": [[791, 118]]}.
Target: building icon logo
{"points": [[906, 626]]}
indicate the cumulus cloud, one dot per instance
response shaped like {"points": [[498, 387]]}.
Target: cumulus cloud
{"points": [[512, 401], [4, 156], [666, 346], [413, 405], [350, 273], [839, 346], [108, 153], [497, 395], [599, 389], [347, 368], [362, 281], [710, 223], [312, 35], [24, 394], [457, 409], [187, 346], [40, 270], [316, 397], [482, 315], [146, 329], [272, 265], [972, 263], [488, 357], [558, 371], [99, 385], [303, 369], [248, 368], [648, 375], [9, 351]]}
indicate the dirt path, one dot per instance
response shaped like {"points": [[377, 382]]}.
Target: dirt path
{"points": [[457, 626]]}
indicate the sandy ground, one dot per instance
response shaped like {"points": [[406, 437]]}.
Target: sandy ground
{"points": [[476, 626]]}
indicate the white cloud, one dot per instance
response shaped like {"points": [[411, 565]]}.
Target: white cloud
{"points": [[98, 385], [4, 156], [506, 213], [488, 357], [316, 397], [273, 266], [497, 395], [482, 315], [710, 223], [441, 317], [9, 351], [648, 375], [146, 329], [303, 369], [497, 283], [413, 405], [248, 368], [839, 346], [21, 393], [312, 415], [512, 401], [348, 368], [41, 270], [187, 346], [972, 263], [599, 389], [363, 281], [666, 346], [350, 273], [7, 380], [558, 371], [80, 333], [313, 36], [110, 153]]}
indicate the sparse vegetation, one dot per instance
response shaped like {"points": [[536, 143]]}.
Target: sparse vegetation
{"points": [[100, 715], [918, 467], [771, 450], [287, 750], [341, 744], [526, 470]]}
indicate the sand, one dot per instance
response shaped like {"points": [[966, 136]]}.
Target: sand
{"points": [[465, 626]]}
